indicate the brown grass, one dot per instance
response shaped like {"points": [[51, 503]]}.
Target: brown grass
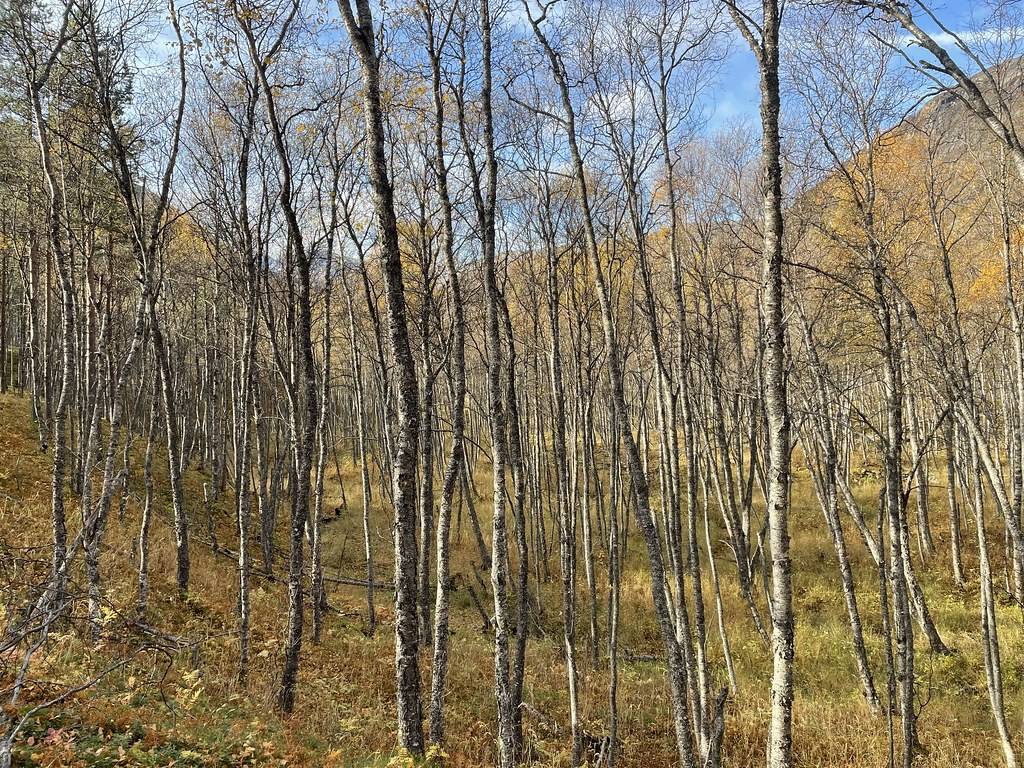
{"points": [[194, 713]]}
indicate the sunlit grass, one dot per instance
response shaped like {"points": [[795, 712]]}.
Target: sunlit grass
{"points": [[195, 713]]}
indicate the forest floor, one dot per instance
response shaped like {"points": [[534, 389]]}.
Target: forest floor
{"points": [[183, 706]]}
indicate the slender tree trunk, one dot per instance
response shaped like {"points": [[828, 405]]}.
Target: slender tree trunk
{"points": [[453, 468], [989, 630], [780, 733], [147, 506], [410, 728]]}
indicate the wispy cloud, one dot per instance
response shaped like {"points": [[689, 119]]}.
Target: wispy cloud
{"points": [[1001, 35]]}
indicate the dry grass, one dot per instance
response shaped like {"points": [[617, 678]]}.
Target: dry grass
{"points": [[195, 714]]}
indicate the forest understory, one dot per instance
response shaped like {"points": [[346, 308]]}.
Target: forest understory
{"points": [[179, 703]]}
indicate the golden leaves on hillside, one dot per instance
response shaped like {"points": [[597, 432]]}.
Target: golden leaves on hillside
{"points": [[906, 207]]}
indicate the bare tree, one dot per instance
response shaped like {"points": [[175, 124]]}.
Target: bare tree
{"points": [[763, 38], [359, 24]]}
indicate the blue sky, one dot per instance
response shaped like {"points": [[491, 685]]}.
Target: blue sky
{"points": [[735, 97]]}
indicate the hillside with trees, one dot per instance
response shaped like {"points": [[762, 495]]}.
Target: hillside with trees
{"points": [[435, 383]]}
